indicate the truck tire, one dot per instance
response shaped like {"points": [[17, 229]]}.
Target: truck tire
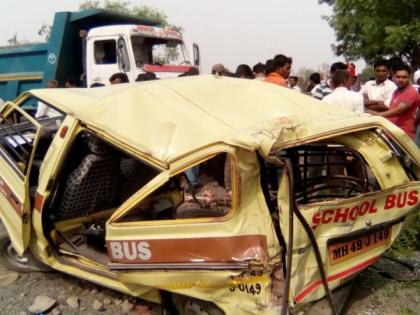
{"points": [[11, 259], [189, 306]]}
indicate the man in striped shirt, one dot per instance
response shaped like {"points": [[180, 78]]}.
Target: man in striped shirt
{"points": [[322, 90]]}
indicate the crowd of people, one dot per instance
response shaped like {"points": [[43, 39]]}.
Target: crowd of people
{"points": [[389, 93]]}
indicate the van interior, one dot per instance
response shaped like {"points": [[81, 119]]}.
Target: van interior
{"points": [[97, 177]]}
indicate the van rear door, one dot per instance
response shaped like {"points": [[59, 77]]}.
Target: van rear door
{"points": [[352, 193]]}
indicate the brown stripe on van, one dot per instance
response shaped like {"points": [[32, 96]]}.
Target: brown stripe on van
{"points": [[11, 197], [209, 249]]}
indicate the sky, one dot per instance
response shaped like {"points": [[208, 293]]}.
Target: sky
{"points": [[231, 32]]}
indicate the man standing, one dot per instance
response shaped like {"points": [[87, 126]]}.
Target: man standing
{"points": [[278, 70], [72, 82], [293, 80], [218, 69], [341, 95], [377, 93], [44, 111], [314, 81], [119, 77], [259, 71], [324, 89], [404, 101]]}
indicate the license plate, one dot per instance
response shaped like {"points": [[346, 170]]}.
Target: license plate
{"points": [[342, 251]]}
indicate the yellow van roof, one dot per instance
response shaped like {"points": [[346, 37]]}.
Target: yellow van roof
{"points": [[169, 118]]}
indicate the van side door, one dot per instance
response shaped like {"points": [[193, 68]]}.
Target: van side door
{"points": [[19, 135]]}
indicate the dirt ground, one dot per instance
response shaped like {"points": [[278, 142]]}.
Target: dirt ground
{"points": [[374, 292], [18, 296]]}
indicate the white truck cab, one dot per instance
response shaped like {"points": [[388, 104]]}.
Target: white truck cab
{"points": [[136, 49]]}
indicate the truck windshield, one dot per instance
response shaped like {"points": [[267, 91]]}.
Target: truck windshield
{"points": [[158, 51]]}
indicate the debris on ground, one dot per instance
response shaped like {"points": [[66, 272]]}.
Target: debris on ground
{"points": [[126, 307], [97, 305], [73, 302], [8, 278], [41, 304]]}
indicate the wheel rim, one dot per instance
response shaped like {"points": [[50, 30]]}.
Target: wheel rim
{"points": [[14, 258]]}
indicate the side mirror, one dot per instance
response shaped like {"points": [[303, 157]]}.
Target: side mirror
{"points": [[196, 55], [122, 55]]}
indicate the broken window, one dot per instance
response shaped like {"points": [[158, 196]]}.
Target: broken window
{"points": [[97, 176], [17, 134], [201, 191], [325, 171], [407, 163], [95, 179]]}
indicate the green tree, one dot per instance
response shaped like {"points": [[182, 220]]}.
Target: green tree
{"points": [[143, 11], [45, 31], [371, 28], [366, 74]]}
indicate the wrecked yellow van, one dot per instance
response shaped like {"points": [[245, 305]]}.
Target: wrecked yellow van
{"points": [[209, 195]]}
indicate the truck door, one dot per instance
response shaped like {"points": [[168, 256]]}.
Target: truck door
{"points": [[19, 135], [102, 59]]}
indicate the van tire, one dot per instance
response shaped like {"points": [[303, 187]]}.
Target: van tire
{"points": [[189, 306], [10, 259]]}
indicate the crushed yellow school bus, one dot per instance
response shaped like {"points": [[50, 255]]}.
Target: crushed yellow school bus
{"points": [[209, 195]]}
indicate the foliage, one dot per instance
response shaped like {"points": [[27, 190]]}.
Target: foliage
{"points": [[45, 31], [371, 28], [143, 11], [409, 239], [14, 41], [366, 74]]}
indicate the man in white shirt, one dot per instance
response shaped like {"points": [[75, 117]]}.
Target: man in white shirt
{"points": [[44, 110], [341, 95], [377, 93], [293, 80]]}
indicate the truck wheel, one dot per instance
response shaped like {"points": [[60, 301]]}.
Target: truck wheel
{"points": [[11, 259], [190, 306]]}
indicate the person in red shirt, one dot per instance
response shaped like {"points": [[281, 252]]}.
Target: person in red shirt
{"points": [[404, 101], [278, 70]]}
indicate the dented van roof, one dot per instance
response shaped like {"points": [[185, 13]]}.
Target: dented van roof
{"points": [[170, 118]]}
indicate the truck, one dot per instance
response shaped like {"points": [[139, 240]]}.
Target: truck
{"points": [[114, 43]]}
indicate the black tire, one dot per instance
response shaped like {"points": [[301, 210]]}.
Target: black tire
{"points": [[189, 306], [11, 259]]}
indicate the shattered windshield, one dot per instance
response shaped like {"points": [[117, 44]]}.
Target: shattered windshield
{"points": [[158, 51]]}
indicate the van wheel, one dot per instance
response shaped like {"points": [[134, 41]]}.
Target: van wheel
{"points": [[11, 259], [190, 306]]}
